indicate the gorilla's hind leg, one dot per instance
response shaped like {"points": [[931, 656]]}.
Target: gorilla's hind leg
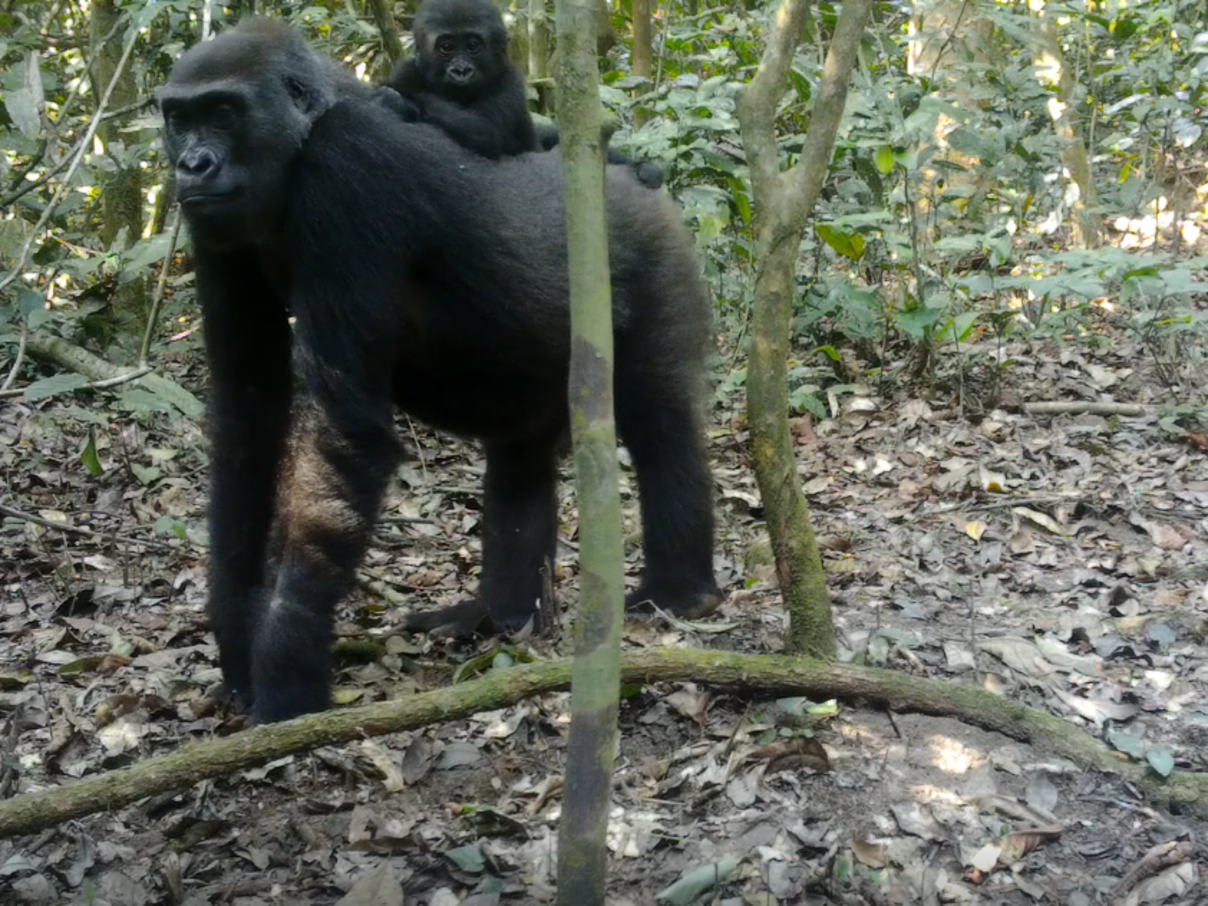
{"points": [[665, 439], [519, 538]]}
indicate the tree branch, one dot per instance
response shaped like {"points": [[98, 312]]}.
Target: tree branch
{"points": [[757, 100], [214, 758], [67, 355]]}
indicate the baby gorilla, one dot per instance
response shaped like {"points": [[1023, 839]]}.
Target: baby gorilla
{"points": [[461, 80]]}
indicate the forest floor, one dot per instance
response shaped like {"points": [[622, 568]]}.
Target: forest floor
{"points": [[1060, 561]]}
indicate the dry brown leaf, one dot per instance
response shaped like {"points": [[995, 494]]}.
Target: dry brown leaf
{"points": [[376, 888], [1046, 522], [874, 855]]}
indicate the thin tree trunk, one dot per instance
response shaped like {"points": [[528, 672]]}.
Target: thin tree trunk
{"points": [[383, 16], [783, 202], [122, 191], [1067, 122], [945, 33], [538, 50], [643, 39], [606, 36], [591, 748], [643, 52]]}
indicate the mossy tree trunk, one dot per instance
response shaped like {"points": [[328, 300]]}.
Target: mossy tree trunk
{"points": [[783, 202], [122, 190], [383, 17], [582, 854], [538, 51], [643, 50]]}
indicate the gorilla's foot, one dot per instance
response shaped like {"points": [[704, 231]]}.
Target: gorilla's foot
{"points": [[686, 603], [463, 620], [224, 696], [284, 701], [231, 705]]}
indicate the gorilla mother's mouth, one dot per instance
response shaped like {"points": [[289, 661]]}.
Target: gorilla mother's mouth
{"points": [[200, 198]]}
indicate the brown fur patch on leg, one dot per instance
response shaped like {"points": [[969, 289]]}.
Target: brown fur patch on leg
{"points": [[316, 503]]}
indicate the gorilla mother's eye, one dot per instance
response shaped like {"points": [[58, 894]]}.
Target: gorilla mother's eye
{"points": [[296, 89], [222, 115]]}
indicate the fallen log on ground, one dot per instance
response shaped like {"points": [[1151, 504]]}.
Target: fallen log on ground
{"points": [[758, 673]]}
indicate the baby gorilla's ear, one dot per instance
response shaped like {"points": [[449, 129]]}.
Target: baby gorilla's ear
{"points": [[407, 110]]}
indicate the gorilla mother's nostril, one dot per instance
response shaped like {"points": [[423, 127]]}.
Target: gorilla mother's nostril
{"points": [[198, 162]]}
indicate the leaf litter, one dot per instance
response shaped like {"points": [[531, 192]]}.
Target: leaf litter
{"points": [[1058, 560]]}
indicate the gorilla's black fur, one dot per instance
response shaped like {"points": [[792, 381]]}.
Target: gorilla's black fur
{"points": [[424, 276]]}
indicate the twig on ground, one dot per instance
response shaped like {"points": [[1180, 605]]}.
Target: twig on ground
{"points": [[82, 531], [381, 589], [1131, 410], [405, 520], [92, 385]]}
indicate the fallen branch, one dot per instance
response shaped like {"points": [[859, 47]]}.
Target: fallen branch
{"points": [[94, 385], [1132, 410], [83, 531], [214, 758], [67, 355]]}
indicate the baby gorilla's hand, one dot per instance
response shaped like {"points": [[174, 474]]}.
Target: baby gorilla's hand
{"points": [[392, 100]]}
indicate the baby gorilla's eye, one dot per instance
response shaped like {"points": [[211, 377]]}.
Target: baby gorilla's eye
{"points": [[445, 46]]}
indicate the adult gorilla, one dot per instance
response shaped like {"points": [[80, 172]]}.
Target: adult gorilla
{"points": [[423, 275]]}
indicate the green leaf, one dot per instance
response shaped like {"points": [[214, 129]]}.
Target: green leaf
{"points": [[1161, 760], [28, 301], [174, 394], [698, 881], [169, 525], [52, 386], [830, 352], [1130, 745], [145, 474], [850, 245], [88, 455], [916, 322], [467, 858], [82, 665], [958, 328], [884, 159], [22, 108], [136, 399], [145, 252], [13, 234]]}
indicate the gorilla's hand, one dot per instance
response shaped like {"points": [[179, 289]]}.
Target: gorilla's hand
{"points": [[407, 110]]}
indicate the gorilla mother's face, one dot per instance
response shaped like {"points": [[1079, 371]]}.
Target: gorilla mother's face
{"points": [[236, 111]]}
